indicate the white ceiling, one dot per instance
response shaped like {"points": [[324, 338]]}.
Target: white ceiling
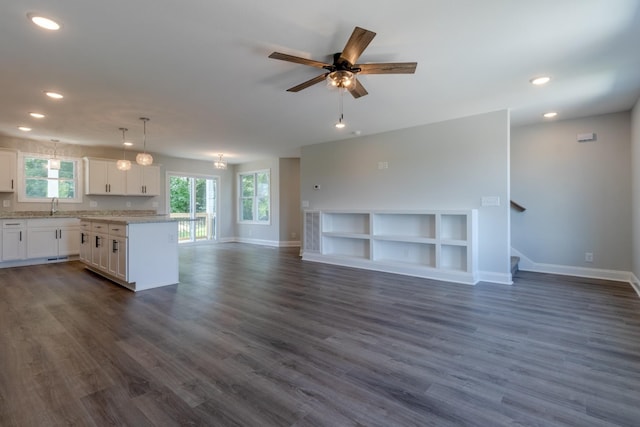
{"points": [[199, 69]]}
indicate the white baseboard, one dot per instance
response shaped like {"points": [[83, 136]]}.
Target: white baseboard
{"points": [[272, 243], [526, 264], [635, 284], [493, 277]]}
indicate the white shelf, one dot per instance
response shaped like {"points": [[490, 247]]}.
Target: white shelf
{"points": [[417, 254], [405, 224], [346, 222], [346, 247], [434, 244]]}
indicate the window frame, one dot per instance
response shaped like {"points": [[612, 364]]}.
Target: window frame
{"points": [[22, 178], [255, 198]]}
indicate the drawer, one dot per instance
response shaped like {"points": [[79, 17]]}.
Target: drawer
{"points": [[100, 227], [119, 230], [85, 226], [14, 223]]}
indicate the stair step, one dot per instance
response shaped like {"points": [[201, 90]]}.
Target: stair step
{"points": [[514, 265]]}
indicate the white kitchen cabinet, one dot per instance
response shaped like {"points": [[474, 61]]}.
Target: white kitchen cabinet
{"points": [[8, 162], [53, 238], [14, 240], [118, 251], [100, 246], [143, 180], [102, 177], [434, 244], [85, 241]]}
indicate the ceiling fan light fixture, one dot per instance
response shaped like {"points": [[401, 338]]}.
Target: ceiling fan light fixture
{"points": [[341, 79]]}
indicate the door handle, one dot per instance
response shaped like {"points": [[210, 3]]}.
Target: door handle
{"points": [[114, 246]]}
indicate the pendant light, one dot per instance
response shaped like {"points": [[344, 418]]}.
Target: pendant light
{"points": [[144, 158], [220, 163], [124, 164], [54, 163], [340, 123]]}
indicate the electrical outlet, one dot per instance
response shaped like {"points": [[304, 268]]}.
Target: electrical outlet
{"points": [[294, 234], [93, 204], [6, 203], [128, 204], [588, 256]]}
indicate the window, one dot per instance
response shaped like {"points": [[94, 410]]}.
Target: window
{"points": [[255, 204], [39, 183], [193, 203]]}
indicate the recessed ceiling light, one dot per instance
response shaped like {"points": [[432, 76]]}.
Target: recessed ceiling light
{"points": [[54, 95], [24, 128], [36, 115], [549, 115], [43, 22], [538, 81], [128, 144]]}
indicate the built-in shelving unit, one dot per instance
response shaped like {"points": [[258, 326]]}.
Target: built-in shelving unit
{"points": [[434, 244]]}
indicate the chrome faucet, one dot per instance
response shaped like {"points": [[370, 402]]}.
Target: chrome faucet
{"points": [[54, 205]]}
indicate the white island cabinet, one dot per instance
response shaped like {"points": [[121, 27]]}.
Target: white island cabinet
{"points": [[136, 252]]}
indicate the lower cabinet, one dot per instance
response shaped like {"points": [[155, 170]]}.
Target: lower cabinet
{"points": [[53, 238], [100, 246], [14, 240], [118, 251], [85, 241]]}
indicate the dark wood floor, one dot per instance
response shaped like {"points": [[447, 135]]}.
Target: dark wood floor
{"points": [[255, 337]]}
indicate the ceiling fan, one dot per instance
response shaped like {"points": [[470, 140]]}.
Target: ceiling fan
{"points": [[342, 73]]}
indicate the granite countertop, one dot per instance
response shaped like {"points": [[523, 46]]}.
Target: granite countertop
{"points": [[130, 219], [78, 214]]}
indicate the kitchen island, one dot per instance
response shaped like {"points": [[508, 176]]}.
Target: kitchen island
{"points": [[138, 252]]}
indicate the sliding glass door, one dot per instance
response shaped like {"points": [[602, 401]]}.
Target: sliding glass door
{"points": [[193, 201]]}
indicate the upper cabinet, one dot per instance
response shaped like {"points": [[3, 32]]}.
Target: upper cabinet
{"points": [[143, 180], [103, 178], [8, 161]]}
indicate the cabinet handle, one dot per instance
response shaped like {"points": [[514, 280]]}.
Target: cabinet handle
{"points": [[60, 234], [12, 184], [56, 234], [97, 241], [114, 246], [82, 238], [21, 236], [106, 188]]}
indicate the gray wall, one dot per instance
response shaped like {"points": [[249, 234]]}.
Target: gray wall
{"points": [[635, 187], [447, 165], [577, 195]]}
